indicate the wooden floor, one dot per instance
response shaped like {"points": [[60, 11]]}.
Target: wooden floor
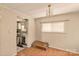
{"points": [[49, 52]]}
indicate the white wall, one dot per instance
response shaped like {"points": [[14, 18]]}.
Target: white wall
{"points": [[31, 31], [7, 32], [68, 40], [8, 21]]}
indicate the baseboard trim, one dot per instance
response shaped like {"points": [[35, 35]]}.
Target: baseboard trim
{"points": [[69, 50], [14, 54]]}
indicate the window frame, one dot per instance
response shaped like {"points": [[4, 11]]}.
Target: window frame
{"points": [[53, 22]]}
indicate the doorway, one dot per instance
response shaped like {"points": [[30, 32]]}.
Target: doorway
{"points": [[22, 33]]}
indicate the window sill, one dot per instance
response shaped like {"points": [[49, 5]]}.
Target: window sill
{"points": [[55, 32]]}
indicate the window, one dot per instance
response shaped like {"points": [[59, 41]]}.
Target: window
{"points": [[53, 27]]}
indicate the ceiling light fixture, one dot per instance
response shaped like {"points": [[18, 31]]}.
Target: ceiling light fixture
{"points": [[49, 9]]}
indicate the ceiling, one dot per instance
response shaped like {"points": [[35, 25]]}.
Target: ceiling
{"points": [[41, 9]]}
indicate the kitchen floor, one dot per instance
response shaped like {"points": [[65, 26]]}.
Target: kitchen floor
{"points": [[32, 51]]}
